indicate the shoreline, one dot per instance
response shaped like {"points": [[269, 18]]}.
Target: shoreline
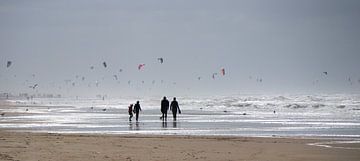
{"points": [[53, 146], [17, 144], [14, 109]]}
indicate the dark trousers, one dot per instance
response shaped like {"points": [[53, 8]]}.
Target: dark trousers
{"points": [[174, 115], [131, 115], [164, 115], [137, 116]]}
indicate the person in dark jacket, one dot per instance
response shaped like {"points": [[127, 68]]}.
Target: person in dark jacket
{"points": [[164, 108], [174, 107], [137, 110], [130, 110]]}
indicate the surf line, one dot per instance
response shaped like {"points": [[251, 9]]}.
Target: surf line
{"points": [[331, 144]]}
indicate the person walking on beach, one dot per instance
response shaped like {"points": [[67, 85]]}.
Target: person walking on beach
{"points": [[137, 110], [164, 108], [130, 110], [174, 107]]}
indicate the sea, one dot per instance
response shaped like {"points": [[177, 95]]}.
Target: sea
{"points": [[257, 115]]}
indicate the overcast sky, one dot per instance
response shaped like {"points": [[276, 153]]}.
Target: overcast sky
{"points": [[287, 43]]}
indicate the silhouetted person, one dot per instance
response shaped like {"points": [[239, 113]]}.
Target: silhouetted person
{"points": [[137, 110], [164, 108], [174, 107], [130, 110]]}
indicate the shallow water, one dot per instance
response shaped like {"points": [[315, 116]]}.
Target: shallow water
{"points": [[242, 115]]}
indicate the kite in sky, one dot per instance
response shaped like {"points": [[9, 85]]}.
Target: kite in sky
{"points": [[222, 71], [161, 60], [116, 77], [8, 64], [104, 63], [141, 66], [213, 76], [34, 86]]}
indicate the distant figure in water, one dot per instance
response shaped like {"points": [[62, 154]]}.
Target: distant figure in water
{"points": [[174, 107], [137, 110], [164, 108], [130, 110]]}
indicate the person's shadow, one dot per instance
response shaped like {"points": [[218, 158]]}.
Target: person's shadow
{"points": [[164, 124], [174, 124], [131, 126], [137, 126]]}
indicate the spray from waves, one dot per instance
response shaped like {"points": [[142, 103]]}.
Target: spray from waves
{"points": [[238, 115]]}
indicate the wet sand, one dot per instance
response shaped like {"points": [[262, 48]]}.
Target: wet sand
{"points": [[44, 146]]}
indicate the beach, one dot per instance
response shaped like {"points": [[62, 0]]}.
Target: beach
{"points": [[72, 130], [47, 146]]}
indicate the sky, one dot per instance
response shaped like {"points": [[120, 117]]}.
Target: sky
{"points": [[288, 44]]}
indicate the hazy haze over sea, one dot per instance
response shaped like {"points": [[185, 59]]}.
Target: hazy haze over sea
{"points": [[287, 44]]}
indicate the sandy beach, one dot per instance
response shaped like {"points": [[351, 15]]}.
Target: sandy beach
{"points": [[17, 145], [42, 146]]}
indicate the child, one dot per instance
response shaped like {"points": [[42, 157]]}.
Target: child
{"points": [[130, 110]]}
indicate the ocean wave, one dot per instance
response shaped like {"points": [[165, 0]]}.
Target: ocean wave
{"points": [[281, 98], [318, 105], [295, 106], [239, 105], [340, 106], [313, 98]]}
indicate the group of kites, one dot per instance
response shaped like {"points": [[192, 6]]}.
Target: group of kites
{"points": [[141, 66], [161, 60], [105, 65]]}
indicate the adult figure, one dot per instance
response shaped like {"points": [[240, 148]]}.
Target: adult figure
{"points": [[137, 110], [174, 107], [164, 108]]}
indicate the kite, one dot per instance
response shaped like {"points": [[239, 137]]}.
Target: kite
{"points": [[120, 70], [213, 76], [222, 71], [141, 66], [104, 63], [116, 77], [8, 64], [199, 78], [83, 78], [34, 86], [161, 60], [129, 82], [326, 73], [92, 67]]}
